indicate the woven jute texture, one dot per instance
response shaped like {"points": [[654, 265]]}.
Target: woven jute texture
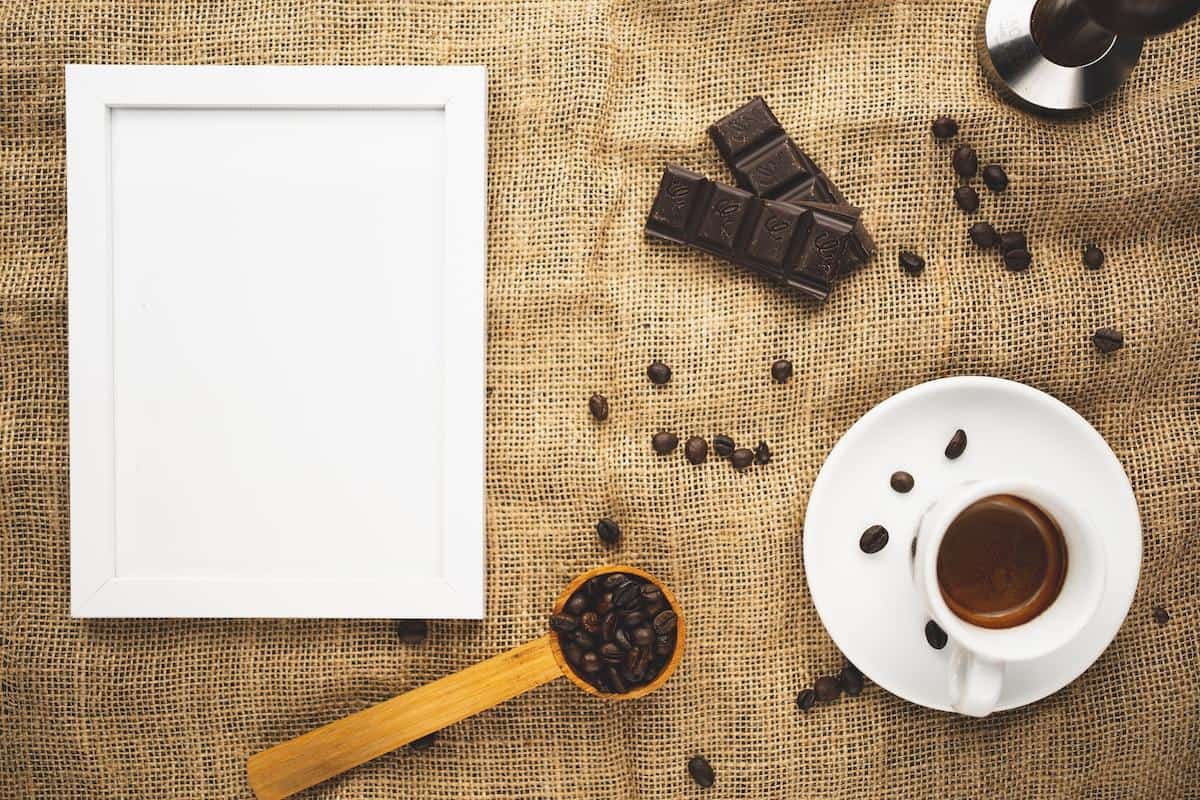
{"points": [[588, 101]]}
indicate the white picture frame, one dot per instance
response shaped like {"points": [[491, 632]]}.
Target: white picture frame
{"points": [[277, 340]]}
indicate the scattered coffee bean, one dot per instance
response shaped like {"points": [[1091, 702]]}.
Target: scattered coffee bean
{"points": [[1017, 260], [934, 634], [1108, 340], [563, 623], [983, 235], [1160, 615], [696, 450], [608, 531], [967, 199], [665, 622], [424, 743], [1013, 240], [658, 373], [576, 605], [827, 688], [412, 631], [912, 263], [851, 680], [873, 539], [902, 482], [741, 458], [762, 453], [944, 128], [723, 445], [664, 443], [995, 178], [966, 163], [958, 443], [1093, 257], [598, 405], [805, 699], [701, 772], [781, 371]]}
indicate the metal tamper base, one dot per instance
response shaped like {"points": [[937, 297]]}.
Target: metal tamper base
{"points": [[1023, 75]]}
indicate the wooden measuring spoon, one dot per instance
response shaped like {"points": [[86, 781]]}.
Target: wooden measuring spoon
{"points": [[318, 755]]}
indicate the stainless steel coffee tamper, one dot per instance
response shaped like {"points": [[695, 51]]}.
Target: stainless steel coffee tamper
{"points": [[1065, 56]]}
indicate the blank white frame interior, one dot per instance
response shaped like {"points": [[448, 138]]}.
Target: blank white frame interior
{"points": [[277, 340]]}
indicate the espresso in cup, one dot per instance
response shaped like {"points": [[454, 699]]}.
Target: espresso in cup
{"points": [[1002, 562]]}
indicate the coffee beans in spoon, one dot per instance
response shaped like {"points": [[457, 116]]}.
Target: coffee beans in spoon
{"points": [[628, 627]]}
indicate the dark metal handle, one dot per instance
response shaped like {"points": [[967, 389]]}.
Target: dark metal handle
{"points": [[1077, 32], [1141, 17]]}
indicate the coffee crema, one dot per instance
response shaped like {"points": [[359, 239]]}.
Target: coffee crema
{"points": [[1002, 562]]}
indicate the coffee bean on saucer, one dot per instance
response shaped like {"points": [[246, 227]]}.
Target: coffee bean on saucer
{"points": [[701, 772], [412, 631], [967, 199], [934, 634], [873, 539], [424, 743], [658, 373], [902, 482], [608, 531], [912, 263], [944, 128], [958, 443], [966, 163], [1093, 257], [598, 405], [1013, 240], [851, 680], [563, 623], [665, 622], [664, 443], [995, 178], [827, 688], [762, 453], [1017, 260], [805, 699], [696, 450], [723, 445], [983, 234], [1160, 615], [590, 662], [1108, 340], [741, 458], [781, 371]]}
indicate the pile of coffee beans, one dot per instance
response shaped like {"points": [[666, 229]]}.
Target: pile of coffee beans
{"points": [[828, 688], [617, 632]]}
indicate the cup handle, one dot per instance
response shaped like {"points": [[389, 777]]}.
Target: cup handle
{"points": [[975, 682]]}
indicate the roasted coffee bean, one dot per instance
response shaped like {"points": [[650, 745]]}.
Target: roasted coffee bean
{"points": [[655, 605], [593, 588], [696, 450], [665, 622], [627, 596], [598, 405], [1093, 257], [934, 634], [781, 371], [574, 653], [944, 128], [563, 623], [633, 660], [702, 772], [741, 458], [412, 631], [614, 579], [664, 443], [424, 743], [1013, 240], [576, 605], [967, 199], [615, 681], [957, 444], [1160, 615], [873, 539], [1108, 340], [642, 636], [611, 653], [1017, 260], [851, 680], [912, 263], [634, 618], [608, 531], [590, 662], [902, 482], [590, 622], [805, 699], [652, 672], [995, 178], [762, 453], [651, 592], [609, 625], [965, 162], [604, 604], [723, 445], [658, 373], [584, 639], [827, 688], [621, 637], [664, 645], [983, 234]]}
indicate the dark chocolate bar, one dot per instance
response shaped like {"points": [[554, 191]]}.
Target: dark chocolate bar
{"points": [[765, 161], [797, 243]]}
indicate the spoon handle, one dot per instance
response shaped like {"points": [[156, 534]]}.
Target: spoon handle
{"points": [[320, 754]]}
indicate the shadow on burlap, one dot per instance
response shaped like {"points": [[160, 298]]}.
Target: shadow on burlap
{"points": [[588, 100]]}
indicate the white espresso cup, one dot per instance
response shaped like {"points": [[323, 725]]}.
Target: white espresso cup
{"points": [[978, 654]]}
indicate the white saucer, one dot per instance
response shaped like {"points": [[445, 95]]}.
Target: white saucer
{"points": [[869, 603]]}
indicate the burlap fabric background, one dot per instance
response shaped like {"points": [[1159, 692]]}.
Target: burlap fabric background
{"points": [[588, 100]]}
